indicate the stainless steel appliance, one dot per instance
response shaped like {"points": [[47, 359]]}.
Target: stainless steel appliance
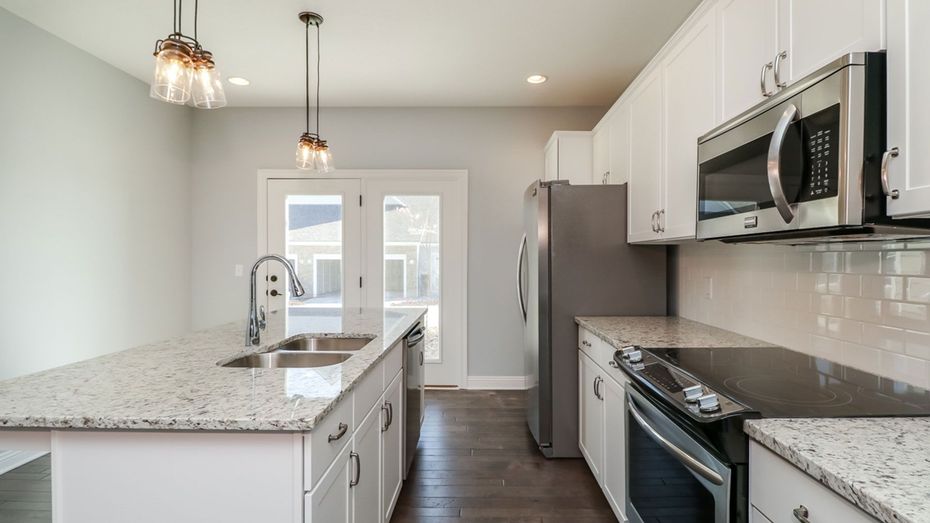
{"points": [[574, 260], [685, 413], [414, 382], [806, 165]]}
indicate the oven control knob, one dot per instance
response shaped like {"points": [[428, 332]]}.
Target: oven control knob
{"points": [[708, 403], [635, 356], [692, 393], [625, 351]]}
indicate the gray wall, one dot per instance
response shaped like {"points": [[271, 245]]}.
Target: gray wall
{"points": [[94, 206], [502, 148]]}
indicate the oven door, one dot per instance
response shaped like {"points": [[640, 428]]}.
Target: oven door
{"points": [[794, 164], [669, 473]]}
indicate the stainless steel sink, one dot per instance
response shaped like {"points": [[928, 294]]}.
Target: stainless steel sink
{"points": [[288, 359], [325, 344]]}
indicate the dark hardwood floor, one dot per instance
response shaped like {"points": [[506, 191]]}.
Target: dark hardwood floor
{"points": [[26, 493], [477, 462]]}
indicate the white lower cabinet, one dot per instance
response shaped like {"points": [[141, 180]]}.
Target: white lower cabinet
{"points": [[330, 500], [591, 415], [365, 460], [392, 446], [779, 492], [602, 419]]}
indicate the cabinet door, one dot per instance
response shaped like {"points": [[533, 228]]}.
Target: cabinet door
{"points": [[591, 415], [600, 147], [690, 92], [365, 469], [392, 447], [551, 170], [619, 145], [748, 38], [645, 157], [330, 502], [615, 457], [575, 157], [909, 106], [813, 33]]}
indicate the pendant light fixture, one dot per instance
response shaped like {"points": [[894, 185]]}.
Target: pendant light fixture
{"points": [[184, 70], [312, 152]]}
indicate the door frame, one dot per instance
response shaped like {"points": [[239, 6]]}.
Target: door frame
{"points": [[457, 176]]}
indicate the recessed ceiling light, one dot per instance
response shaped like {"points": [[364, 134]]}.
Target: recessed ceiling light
{"points": [[536, 78], [238, 80]]}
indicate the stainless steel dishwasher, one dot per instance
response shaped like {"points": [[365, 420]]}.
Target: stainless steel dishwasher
{"points": [[414, 377]]}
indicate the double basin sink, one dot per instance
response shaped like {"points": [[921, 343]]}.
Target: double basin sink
{"points": [[303, 352]]}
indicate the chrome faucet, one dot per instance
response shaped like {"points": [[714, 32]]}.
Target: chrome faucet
{"points": [[257, 314]]}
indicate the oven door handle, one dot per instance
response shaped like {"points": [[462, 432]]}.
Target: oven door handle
{"points": [[686, 459], [774, 163]]}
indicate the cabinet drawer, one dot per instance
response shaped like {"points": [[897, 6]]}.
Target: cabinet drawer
{"points": [[393, 363], [322, 445], [777, 487], [367, 393]]}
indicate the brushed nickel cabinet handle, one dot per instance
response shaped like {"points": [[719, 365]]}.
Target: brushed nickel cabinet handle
{"points": [[801, 514], [776, 70], [894, 194], [342, 432], [358, 468], [765, 92]]}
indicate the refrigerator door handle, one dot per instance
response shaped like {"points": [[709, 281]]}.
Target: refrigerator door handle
{"points": [[521, 253]]}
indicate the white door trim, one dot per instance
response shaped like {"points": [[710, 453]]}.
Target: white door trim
{"points": [[459, 176]]}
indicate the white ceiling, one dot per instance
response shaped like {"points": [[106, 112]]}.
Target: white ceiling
{"points": [[390, 53]]}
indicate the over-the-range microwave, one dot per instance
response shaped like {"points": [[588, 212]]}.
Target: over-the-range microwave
{"points": [[805, 165]]}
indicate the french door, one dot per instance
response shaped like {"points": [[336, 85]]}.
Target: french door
{"points": [[381, 240]]}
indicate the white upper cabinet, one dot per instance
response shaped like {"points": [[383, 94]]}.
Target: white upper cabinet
{"points": [[569, 157], [600, 146], [813, 33], [748, 43], [645, 159], [690, 92], [908, 107], [619, 144]]}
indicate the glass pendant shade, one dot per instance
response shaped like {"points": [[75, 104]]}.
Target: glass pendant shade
{"points": [[173, 74], [207, 88], [306, 154], [325, 160]]}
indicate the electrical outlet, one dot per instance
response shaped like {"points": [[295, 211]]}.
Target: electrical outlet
{"points": [[708, 292], [238, 270]]}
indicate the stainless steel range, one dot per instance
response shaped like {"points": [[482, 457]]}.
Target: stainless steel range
{"points": [[687, 454]]}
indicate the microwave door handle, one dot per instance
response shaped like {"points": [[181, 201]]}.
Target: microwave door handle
{"points": [[521, 252], [686, 459], [774, 163]]}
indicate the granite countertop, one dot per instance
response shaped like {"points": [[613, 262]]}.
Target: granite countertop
{"points": [[881, 465], [177, 385], [662, 331]]}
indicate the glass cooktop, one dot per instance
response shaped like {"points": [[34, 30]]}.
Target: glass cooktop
{"points": [[778, 382]]}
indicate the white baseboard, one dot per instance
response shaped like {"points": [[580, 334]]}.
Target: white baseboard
{"points": [[10, 459], [497, 382]]}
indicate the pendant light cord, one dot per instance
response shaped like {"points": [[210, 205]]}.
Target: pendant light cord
{"points": [[318, 79], [307, 75], [196, 10]]}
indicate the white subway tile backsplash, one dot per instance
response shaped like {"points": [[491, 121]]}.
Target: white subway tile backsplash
{"points": [[883, 287], [918, 289], [904, 262], [865, 305]]}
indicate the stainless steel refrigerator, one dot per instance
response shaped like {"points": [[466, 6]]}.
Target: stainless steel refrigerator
{"points": [[574, 260]]}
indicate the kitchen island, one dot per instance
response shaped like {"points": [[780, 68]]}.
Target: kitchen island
{"points": [[163, 433]]}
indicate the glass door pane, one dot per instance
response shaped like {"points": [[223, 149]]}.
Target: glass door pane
{"points": [[412, 269], [314, 247]]}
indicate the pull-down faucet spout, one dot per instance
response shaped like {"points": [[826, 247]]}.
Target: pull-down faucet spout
{"points": [[256, 321]]}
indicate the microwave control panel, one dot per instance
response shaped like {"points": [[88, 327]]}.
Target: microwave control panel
{"points": [[820, 145]]}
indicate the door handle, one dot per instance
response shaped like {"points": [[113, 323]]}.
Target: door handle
{"points": [[655, 217], [774, 163], [776, 69], [336, 437], [386, 423], [358, 468], [894, 194], [521, 252], [686, 459], [765, 92], [659, 218]]}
